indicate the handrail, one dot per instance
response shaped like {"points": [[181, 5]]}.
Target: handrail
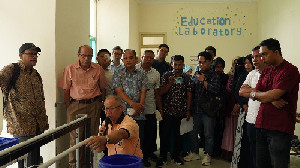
{"points": [[63, 154], [16, 151]]}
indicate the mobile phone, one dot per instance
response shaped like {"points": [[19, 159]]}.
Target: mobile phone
{"points": [[178, 79]]}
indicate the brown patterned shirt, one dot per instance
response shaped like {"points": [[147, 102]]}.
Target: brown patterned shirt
{"points": [[175, 100], [25, 109]]}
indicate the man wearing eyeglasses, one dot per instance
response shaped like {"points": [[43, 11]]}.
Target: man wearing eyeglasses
{"points": [[119, 132], [24, 101], [84, 85], [116, 64]]}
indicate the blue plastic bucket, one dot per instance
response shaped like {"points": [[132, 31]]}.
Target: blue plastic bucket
{"points": [[121, 161]]}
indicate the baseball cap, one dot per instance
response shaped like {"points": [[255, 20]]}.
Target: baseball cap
{"points": [[29, 46]]}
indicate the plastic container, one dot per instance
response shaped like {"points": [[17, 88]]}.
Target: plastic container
{"points": [[8, 142], [121, 161]]}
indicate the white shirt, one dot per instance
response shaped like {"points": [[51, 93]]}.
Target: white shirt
{"points": [[253, 106], [109, 74], [154, 83]]}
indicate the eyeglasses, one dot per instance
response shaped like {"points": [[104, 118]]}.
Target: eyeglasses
{"points": [[32, 54], [117, 54], [162, 50], [111, 108], [204, 62], [83, 55]]}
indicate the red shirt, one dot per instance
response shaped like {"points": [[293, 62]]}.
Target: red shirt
{"points": [[285, 76]]}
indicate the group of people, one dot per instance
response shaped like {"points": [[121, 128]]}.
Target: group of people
{"points": [[247, 116]]}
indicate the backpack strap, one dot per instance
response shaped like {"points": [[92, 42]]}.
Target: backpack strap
{"points": [[12, 83]]}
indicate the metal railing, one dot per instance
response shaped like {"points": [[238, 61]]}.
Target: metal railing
{"points": [[13, 153]]}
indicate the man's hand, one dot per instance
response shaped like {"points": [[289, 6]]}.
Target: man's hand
{"points": [[138, 108], [201, 77], [279, 103], [188, 115], [102, 130], [245, 107], [236, 110], [96, 142], [171, 80]]}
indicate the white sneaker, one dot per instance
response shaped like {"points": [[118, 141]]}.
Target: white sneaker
{"points": [[206, 160], [191, 156]]}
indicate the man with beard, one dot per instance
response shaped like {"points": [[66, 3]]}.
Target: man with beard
{"points": [[24, 101], [176, 86]]}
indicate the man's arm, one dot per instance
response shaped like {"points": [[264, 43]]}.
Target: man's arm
{"points": [[67, 97], [143, 96], [245, 90], [189, 104], [268, 96], [138, 107], [114, 137], [158, 99], [164, 89]]}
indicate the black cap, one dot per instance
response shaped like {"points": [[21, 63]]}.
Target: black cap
{"points": [[29, 46]]}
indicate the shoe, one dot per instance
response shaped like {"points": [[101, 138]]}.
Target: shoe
{"points": [[177, 161], [146, 163], [153, 157], [160, 162], [206, 160], [191, 156]]}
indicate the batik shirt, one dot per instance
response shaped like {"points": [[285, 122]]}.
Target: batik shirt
{"points": [[132, 85], [175, 100], [25, 110]]}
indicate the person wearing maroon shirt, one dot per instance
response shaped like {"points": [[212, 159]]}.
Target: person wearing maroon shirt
{"points": [[277, 90]]}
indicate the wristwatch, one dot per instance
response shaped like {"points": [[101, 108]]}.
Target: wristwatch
{"points": [[253, 95], [107, 139]]}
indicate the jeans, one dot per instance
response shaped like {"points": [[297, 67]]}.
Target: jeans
{"points": [[272, 148], [251, 132], [208, 123]]}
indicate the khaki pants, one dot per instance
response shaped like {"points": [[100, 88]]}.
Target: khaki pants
{"points": [[93, 111]]}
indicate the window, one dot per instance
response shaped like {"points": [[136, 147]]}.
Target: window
{"points": [[151, 41]]}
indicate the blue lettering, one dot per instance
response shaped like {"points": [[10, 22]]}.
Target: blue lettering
{"points": [[222, 21], [179, 31], [232, 29], [227, 19], [195, 32], [226, 32], [208, 21], [202, 31], [239, 30], [221, 32], [208, 33], [187, 31], [183, 20], [215, 33], [203, 21]]}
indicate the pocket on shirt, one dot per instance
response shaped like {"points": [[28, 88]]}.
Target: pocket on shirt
{"points": [[92, 82]]}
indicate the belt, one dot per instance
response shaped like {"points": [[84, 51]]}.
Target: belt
{"points": [[86, 101]]}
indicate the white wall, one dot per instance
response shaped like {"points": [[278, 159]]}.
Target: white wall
{"points": [[113, 24], [31, 21], [58, 28], [72, 27], [166, 17], [279, 19]]}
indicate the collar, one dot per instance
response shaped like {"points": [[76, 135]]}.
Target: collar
{"points": [[77, 65], [121, 118], [22, 67]]}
